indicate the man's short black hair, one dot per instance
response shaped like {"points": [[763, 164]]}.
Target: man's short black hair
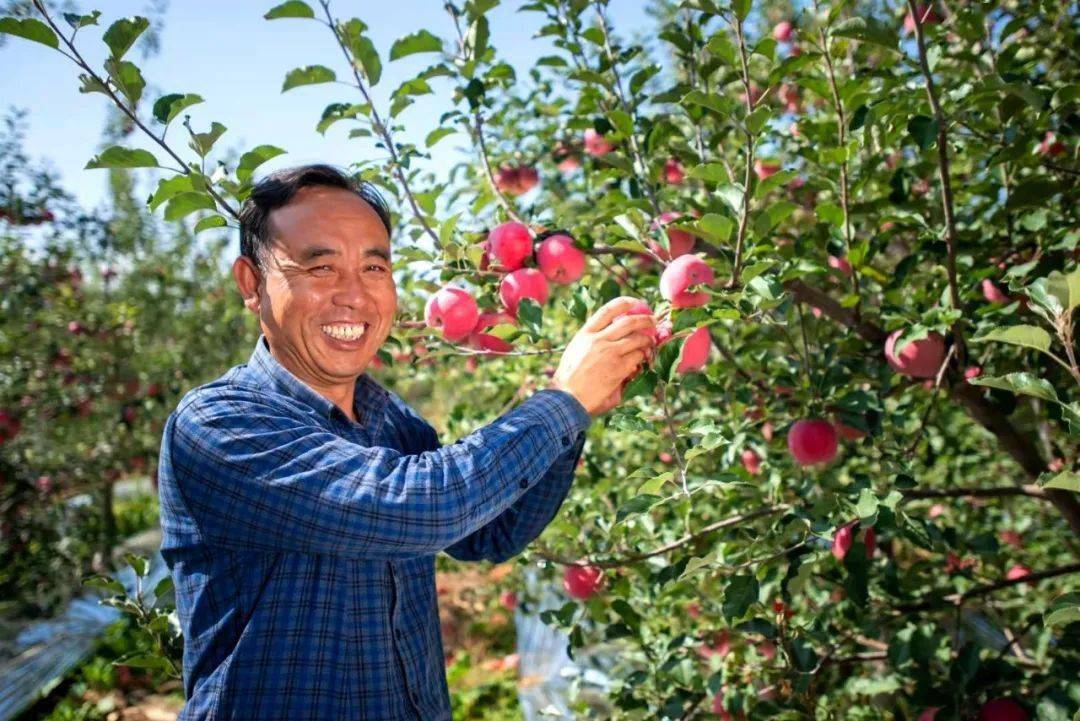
{"points": [[278, 188]]}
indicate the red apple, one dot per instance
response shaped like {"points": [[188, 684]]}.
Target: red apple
{"points": [[510, 244], [9, 426], [680, 275], [972, 372], [1002, 709], [767, 649], [639, 307], [755, 95], [453, 310], [767, 430], [44, 483], [842, 540], [1011, 538], [596, 144], [559, 260], [751, 462], [765, 169], [788, 95], [812, 441], [929, 714], [673, 172], [937, 510], [693, 609], [507, 180], [528, 178], [925, 14], [1050, 145], [523, 283], [992, 293], [1016, 572], [718, 645], [665, 457], [582, 582], [695, 351], [918, 359], [840, 264], [848, 433], [509, 600], [679, 241], [781, 32], [870, 541]]}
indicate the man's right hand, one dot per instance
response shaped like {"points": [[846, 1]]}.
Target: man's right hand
{"points": [[604, 354]]}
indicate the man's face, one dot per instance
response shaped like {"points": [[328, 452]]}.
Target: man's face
{"points": [[328, 272]]}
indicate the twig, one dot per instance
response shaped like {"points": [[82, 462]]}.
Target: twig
{"points": [[957, 599], [130, 112], [626, 560], [943, 171], [382, 130], [748, 168]]}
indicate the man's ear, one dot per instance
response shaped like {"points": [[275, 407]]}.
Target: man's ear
{"points": [[248, 280]]}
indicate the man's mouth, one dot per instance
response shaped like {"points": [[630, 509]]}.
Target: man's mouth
{"points": [[345, 331]]}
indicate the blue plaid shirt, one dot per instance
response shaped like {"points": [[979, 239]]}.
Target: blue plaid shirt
{"points": [[302, 544]]}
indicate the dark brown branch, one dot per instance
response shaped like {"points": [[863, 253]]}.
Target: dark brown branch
{"points": [[1022, 449], [957, 599], [1025, 490]]}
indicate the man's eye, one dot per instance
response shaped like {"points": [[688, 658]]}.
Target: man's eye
{"points": [[378, 267], [321, 267]]}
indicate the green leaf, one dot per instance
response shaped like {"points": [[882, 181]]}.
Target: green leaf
{"points": [[741, 8], [622, 122], [168, 107], [169, 187], [714, 227], [290, 9], [437, 134], [740, 594], [310, 75], [422, 41], [138, 563], [830, 213], [1025, 383], [362, 49], [1064, 609], [253, 159], [163, 586], [210, 221], [1034, 192], [924, 130], [29, 29], [1029, 336], [732, 195], [636, 505], [123, 33], [128, 79], [1066, 481], [105, 583], [709, 172], [203, 143], [118, 157], [868, 30], [772, 216], [80, 21], [186, 203]]}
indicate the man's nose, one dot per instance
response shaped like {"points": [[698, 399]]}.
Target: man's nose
{"points": [[353, 290]]}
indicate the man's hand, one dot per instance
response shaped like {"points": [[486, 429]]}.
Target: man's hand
{"points": [[604, 354]]}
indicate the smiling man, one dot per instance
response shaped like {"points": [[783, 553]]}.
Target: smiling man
{"points": [[302, 504]]}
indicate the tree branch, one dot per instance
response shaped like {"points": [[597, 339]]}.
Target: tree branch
{"points": [[957, 599]]}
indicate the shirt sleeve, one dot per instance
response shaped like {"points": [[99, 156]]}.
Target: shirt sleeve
{"points": [[257, 476], [510, 532]]}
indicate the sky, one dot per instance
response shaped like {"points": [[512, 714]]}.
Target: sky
{"points": [[226, 52]]}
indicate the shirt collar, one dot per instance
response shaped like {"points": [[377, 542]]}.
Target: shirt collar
{"points": [[369, 398]]}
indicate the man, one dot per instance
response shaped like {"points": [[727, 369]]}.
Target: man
{"points": [[302, 504]]}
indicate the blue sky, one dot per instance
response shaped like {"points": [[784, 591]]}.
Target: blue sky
{"points": [[236, 61]]}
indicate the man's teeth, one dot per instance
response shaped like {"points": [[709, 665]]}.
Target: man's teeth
{"points": [[345, 332]]}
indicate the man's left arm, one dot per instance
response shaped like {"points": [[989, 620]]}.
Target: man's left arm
{"points": [[516, 527]]}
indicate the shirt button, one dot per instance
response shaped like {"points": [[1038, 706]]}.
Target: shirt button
{"points": [[524, 483]]}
